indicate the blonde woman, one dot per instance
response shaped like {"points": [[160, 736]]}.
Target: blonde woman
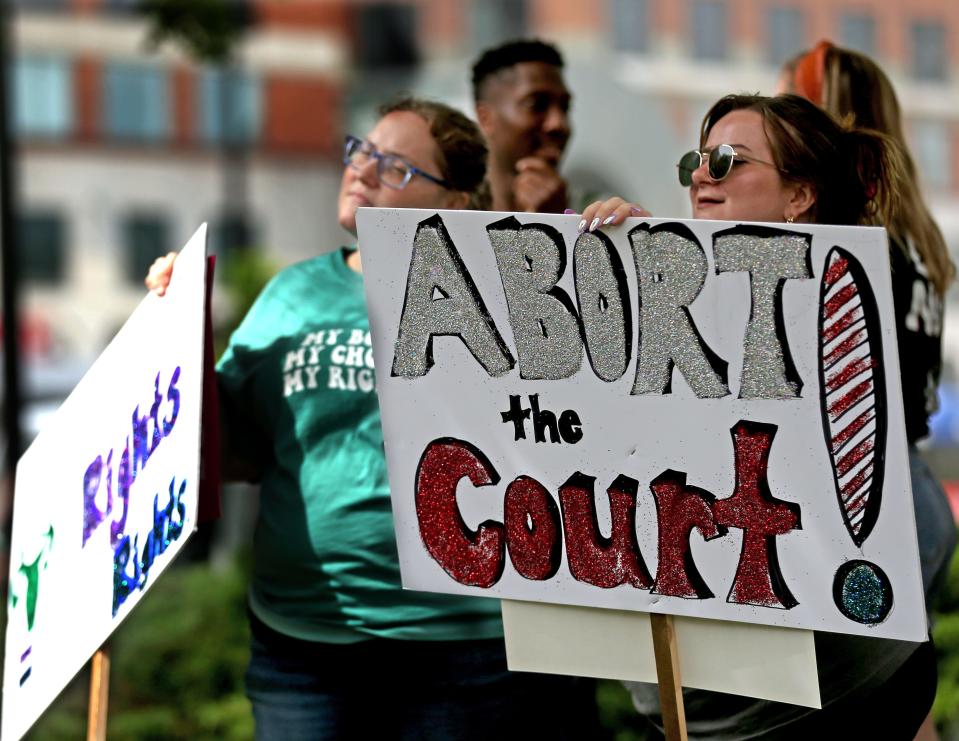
{"points": [[852, 87]]}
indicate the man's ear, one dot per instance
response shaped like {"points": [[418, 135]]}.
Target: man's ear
{"points": [[485, 113], [802, 203]]}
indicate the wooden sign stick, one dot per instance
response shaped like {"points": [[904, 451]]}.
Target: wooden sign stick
{"points": [[99, 694], [667, 673]]}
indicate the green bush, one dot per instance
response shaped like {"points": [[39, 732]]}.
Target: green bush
{"points": [[946, 634], [177, 665]]}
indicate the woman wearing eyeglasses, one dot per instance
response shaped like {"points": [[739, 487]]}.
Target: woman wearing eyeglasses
{"points": [[339, 649], [783, 159]]}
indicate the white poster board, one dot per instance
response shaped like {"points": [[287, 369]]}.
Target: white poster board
{"points": [[106, 495], [740, 403], [776, 664]]}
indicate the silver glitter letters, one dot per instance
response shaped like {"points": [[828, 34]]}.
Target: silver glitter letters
{"points": [[441, 299], [531, 260], [671, 268], [770, 256], [603, 304]]}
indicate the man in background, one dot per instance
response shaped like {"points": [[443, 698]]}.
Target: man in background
{"points": [[522, 105]]}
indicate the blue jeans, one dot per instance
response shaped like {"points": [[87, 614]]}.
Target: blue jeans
{"points": [[392, 689], [935, 526]]}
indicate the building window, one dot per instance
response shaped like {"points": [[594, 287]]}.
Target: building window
{"points": [[230, 106], [41, 240], [145, 237], [496, 21], [42, 103], [858, 31], [122, 7], [40, 5], [932, 149], [928, 50], [630, 25], [710, 29], [785, 34], [232, 233], [136, 102], [386, 36]]}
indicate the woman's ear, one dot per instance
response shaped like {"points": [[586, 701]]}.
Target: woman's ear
{"points": [[801, 204], [457, 199]]}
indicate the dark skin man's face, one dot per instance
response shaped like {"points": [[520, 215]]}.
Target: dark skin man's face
{"points": [[524, 112]]}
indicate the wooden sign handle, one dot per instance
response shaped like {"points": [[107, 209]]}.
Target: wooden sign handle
{"points": [[667, 673], [99, 694]]}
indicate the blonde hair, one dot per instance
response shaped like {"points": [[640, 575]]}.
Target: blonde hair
{"points": [[854, 87]]}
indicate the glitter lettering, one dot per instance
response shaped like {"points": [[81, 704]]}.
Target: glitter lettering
{"points": [[680, 509], [532, 529], [532, 536], [753, 509], [531, 260], [604, 307], [771, 257], [595, 559], [672, 269], [471, 558], [456, 309]]}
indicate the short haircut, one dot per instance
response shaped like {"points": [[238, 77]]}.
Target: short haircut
{"points": [[509, 55], [460, 142]]}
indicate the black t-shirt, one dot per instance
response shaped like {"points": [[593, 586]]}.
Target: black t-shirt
{"points": [[919, 327]]}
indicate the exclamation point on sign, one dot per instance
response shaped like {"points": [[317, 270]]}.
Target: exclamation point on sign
{"points": [[853, 403]]}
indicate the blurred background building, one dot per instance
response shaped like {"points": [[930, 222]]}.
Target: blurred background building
{"points": [[124, 147]]}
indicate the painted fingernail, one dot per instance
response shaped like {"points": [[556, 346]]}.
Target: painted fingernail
{"points": [[582, 225], [609, 219], [593, 224], [569, 211]]}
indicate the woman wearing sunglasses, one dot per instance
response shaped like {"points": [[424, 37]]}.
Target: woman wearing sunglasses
{"points": [[783, 159], [339, 649], [778, 159]]}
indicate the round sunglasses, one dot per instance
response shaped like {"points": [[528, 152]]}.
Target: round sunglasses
{"points": [[719, 160]]}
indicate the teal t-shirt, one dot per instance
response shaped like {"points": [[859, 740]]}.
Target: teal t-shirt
{"points": [[299, 395]]}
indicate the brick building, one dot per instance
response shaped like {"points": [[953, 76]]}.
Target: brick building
{"points": [[124, 149]]}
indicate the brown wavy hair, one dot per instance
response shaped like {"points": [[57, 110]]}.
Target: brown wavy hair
{"points": [[855, 173], [462, 148], [852, 86]]}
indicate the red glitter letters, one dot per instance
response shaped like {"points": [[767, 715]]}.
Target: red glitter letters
{"points": [[532, 535], [753, 509], [472, 558], [602, 562], [532, 529], [680, 508]]}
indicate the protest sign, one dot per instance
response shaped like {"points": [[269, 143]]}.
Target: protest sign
{"points": [[107, 494], [685, 417]]}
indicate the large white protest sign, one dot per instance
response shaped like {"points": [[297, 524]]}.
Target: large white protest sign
{"points": [[106, 495], [696, 418]]}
